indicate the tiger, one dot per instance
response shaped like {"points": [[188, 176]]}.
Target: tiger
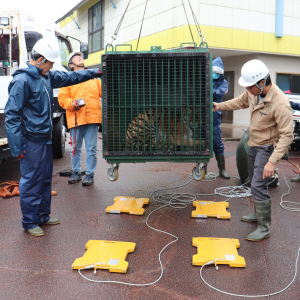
{"points": [[153, 126]]}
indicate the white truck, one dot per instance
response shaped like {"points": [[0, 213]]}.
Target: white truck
{"points": [[296, 120], [16, 41]]}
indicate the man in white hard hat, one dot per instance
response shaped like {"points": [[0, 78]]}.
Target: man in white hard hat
{"points": [[87, 119], [28, 123], [270, 135]]}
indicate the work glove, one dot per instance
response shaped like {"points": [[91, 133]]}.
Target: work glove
{"points": [[99, 73], [22, 155]]}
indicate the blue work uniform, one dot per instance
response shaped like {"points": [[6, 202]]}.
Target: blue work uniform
{"points": [[220, 87], [295, 105], [28, 123]]}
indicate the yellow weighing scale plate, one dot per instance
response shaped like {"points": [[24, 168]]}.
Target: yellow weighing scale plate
{"points": [[206, 209], [108, 255], [129, 205], [222, 251]]}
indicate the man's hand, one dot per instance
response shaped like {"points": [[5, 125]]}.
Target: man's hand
{"points": [[269, 170], [99, 73], [215, 106], [75, 105], [22, 155]]}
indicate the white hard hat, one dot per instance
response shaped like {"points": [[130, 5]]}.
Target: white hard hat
{"points": [[48, 49], [252, 72], [218, 70], [73, 54]]}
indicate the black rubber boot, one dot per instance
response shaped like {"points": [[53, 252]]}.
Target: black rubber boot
{"points": [[263, 213], [221, 165]]}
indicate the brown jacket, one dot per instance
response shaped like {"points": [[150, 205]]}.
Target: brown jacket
{"points": [[271, 120]]}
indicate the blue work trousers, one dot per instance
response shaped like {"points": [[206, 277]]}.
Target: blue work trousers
{"points": [[89, 133], [218, 145], [217, 141], [35, 185]]}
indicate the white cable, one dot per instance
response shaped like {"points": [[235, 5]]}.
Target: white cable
{"points": [[233, 191], [180, 200], [159, 258], [172, 200], [240, 191], [296, 264], [289, 190], [252, 296], [210, 176]]}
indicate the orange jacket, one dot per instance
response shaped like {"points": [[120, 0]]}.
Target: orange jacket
{"points": [[90, 91]]}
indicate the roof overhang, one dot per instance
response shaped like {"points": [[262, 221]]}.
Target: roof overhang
{"points": [[81, 3]]}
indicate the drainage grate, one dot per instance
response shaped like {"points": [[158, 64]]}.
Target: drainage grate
{"points": [[156, 104]]}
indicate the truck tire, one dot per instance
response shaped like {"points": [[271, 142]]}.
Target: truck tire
{"points": [[58, 137]]}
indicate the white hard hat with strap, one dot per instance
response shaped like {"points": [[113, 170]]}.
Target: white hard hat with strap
{"points": [[252, 72], [72, 55], [48, 49]]}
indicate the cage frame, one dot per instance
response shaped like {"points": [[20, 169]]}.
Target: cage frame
{"points": [[156, 156]]}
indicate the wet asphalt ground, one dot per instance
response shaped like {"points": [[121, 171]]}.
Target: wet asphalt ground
{"points": [[40, 267]]}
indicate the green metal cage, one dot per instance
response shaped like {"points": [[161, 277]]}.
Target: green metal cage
{"points": [[156, 106]]}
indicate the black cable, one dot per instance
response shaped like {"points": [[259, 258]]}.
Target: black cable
{"points": [[188, 21], [141, 26]]}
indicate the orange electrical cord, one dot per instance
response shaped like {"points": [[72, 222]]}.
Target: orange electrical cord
{"points": [[297, 172], [11, 188]]}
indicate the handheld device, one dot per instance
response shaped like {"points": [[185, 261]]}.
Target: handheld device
{"points": [[80, 102]]}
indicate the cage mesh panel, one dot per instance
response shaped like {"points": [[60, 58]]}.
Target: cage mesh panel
{"points": [[156, 104]]}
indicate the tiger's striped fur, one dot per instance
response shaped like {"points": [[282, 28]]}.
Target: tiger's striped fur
{"points": [[160, 129]]}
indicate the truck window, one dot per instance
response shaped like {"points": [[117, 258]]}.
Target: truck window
{"points": [[4, 54], [289, 82], [64, 50], [4, 47]]}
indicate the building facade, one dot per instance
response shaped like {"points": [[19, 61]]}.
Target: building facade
{"points": [[235, 30]]}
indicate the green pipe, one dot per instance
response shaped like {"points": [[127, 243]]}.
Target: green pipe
{"points": [[242, 156]]}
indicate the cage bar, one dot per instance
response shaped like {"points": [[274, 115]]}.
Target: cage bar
{"points": [[157, 106]]}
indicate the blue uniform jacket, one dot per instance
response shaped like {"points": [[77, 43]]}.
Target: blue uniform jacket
{"points": [[29, 109], [220, 87], [295, 105]]}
